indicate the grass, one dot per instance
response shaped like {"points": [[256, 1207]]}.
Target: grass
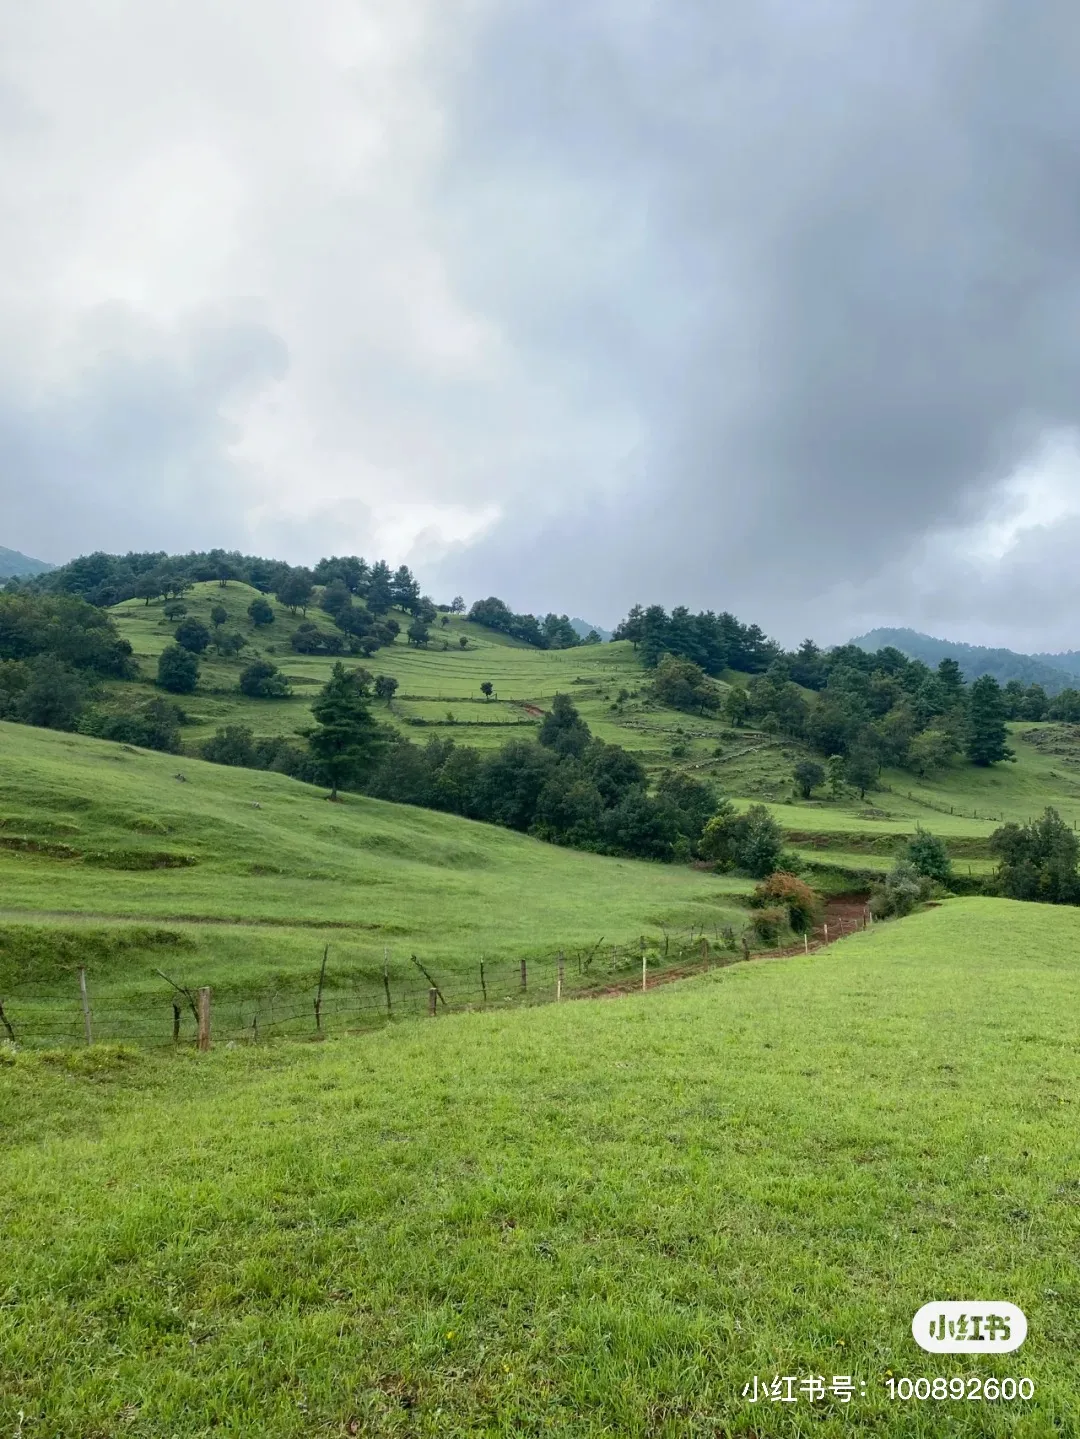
{"points": [[596, 1219], [267, 873]]}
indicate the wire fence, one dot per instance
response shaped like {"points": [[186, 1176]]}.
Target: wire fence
{"points": [[166, 1010]]}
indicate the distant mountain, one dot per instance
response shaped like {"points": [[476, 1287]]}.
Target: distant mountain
{"points": [[582, 628], [12, 563], [1053, 672]]}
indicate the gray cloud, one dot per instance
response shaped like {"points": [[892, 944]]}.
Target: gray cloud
{"points": [[759, 306]]}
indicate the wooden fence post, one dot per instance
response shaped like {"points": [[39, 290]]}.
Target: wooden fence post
{"points": [[644, 968], [318, 996], [432, 1001], [483, 982], [386, 982], [175, 1022], [524, 977], [7, 1025], [826, 934], [806, 942], [559, 979], [204, 1018], [85, 1004]]}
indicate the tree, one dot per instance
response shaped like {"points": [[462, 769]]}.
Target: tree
{"points": [[835, 768], [486, 689], [294, 591], [418, 633], [263, 680], [862, 768], [228, 642], [562, 728], [233, 744], [385, 686], [736, 706], [380, 591], [218, 615], [53, 695], [261, 612], [192, 635], [808, 775], [463, 642], [335, 598], [1038, 861], [174, 610], [682, 685], [148, 586], [802, 903], [346, 739], [931, 750], [987, 736], [752, 841], [178, 670], [928, 855], [457, 605]]}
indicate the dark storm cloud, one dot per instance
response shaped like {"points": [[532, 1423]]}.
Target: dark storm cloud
{"points": [[827, 256]]}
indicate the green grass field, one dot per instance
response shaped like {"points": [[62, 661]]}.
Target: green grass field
{"points": [[600, 1218], [251, 874]]}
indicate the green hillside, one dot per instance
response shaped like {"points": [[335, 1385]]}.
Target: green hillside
{"points": [[585, 1220], [1053, 672], [15, 563], [238, 879]]}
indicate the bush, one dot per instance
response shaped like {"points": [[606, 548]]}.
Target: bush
{"points": [[261, 612], [904, 889], [1038, 861], [801, 904], [155, 726], [263, 680], [234, 744], [308, 639], [178, 670], [768, 925], [929, 857]]}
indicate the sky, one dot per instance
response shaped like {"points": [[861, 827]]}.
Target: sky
{"points": [[764, 307]]}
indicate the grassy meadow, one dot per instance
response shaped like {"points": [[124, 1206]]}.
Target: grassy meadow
{"points": [[594, 1219], [238, 879]]}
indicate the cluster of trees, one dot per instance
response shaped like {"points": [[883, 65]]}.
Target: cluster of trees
{"points": [[877, 709], [712, 642], [565, 786], [551, 632], [53, 651], [1038, 860], [1033, 703]]}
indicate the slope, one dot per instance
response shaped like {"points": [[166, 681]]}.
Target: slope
{"points": [[1052, 672], [597, 1219]]}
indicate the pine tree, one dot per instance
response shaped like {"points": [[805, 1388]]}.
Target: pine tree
{"points": [[346, 739], [987, 736]]}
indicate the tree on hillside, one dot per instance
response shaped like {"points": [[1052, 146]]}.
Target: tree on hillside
{"points": [[463, 642], [457, 605], [263, 680], [862, 768], [218, 615], [178, 670], [294, 591], [736, 706], [53, 695], [148, 586], [232, 744], [929, 856], [228, 643], [346, 739], [261, 612], [562, 728], [193, 635], [385, 687], [834, 766], [931, 750], [174, 610], [335, 598], [486, 689], [418, 633], [987, 736], [808, 775], [682, 685], [1038, 861], [752, 841], [380, 590]]}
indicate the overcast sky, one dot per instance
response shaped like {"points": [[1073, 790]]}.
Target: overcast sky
{"points": [[760, 306]]}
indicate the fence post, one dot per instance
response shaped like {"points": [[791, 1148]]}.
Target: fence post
{"points": [[559, 977], [524, 977], [7, 1025], [806, 942], [644, 968], [204, 1019], [432, 1001], [386, 982], [85, 1004], [318, 996], [483, 982], [175, 1022], [826, 934]]}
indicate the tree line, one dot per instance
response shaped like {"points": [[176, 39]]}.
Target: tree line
{"points": [[550, 632]]}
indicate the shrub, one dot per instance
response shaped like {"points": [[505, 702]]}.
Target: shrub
{"points": [[261, 612], [904, 889], [801, 904], [234, 744], [752, 841], [768, 924], [178, 670], [263, 680], [929, 857]]}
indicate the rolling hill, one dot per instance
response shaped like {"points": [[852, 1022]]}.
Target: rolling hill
{"points": [[1053, 672], [13, 564]]}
